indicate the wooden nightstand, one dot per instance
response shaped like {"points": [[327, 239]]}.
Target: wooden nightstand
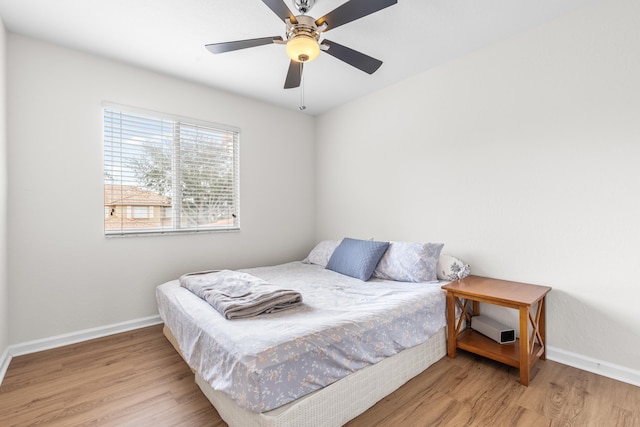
{"points": [[521, 296]]}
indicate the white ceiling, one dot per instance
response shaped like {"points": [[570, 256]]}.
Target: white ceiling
{"points": [[169, 36]]}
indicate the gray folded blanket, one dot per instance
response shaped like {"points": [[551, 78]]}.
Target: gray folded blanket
{"points": [[238, 295]]}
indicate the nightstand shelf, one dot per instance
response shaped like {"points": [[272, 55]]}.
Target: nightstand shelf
{"points": [[508, 354], [522, 353]]}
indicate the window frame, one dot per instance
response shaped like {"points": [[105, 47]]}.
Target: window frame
{"points": [[177, 122]]}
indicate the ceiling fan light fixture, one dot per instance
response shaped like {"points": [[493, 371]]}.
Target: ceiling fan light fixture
{"points": [[303, 48]]}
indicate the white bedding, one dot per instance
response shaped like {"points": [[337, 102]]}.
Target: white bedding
{"points": [[344, 325]]}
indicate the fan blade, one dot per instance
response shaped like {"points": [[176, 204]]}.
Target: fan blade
{"points": [[294, 75], [280, 8], [352, 57], [240, 44], [352, 10]]}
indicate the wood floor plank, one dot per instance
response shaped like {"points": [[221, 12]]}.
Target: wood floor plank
{"points": [[137, 379]]}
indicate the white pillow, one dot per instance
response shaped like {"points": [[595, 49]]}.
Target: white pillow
{"points": [[409, 262], [321, 254], [451, 268]]}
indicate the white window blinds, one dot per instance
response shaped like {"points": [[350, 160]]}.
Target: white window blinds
{"points": [[166, 174]]}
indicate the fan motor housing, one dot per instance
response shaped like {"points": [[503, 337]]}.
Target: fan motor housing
{"points": [[306, 26]]}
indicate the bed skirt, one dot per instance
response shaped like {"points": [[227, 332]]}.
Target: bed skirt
{"points": [[336, 404]]}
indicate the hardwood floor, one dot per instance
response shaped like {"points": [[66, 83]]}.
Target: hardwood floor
{"points": [[137, 379]]}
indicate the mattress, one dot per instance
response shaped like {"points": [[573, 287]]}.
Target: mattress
{"points": [[340, 402], [343, 326]]}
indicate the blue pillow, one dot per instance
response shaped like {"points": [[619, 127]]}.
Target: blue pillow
{"points": [[357, 258]]}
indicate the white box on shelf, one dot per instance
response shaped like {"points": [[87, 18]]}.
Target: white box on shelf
{"points": [[493, 329]]}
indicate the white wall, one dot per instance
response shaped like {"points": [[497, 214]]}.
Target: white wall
{"points": [[4, 286], [64, 275], [524, 159]]}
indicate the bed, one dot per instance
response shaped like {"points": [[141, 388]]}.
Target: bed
{"points": [[349, 344]]}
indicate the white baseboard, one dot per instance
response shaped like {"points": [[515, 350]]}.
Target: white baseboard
{"points": [[79, 336], [599, 367], [5, 359]]}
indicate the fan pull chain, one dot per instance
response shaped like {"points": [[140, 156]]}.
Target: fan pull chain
{"points": [[302, 106]]}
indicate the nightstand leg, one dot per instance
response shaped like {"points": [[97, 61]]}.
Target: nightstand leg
{"points": [[451, 325], [542, 328], [525, 351], [476, 309]]}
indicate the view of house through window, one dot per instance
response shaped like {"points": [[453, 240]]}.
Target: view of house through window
{"points": [[167, 174]]}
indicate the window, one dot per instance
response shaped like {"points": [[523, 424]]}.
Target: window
{"points": [[140, 212], [165, 174]]}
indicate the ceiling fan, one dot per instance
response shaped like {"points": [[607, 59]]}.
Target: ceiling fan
{"points": [[303, 35]]}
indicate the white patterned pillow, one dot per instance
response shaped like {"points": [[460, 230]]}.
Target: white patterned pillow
{"points": [[451, 268], [322, 252], [409, 262]]}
